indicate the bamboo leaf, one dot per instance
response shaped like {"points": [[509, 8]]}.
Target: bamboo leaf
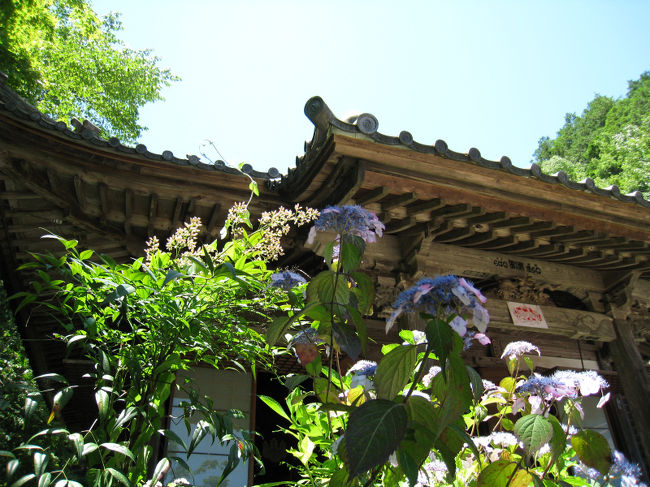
{"points": [[117, 448], [275, 405]]}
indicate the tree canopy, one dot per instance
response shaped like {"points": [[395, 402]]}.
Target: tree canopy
{"points": [[609, 142], [67, 61]]}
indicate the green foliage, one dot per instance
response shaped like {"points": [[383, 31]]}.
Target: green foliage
{"points": [[16, 383], [413, 418], [609, 142], [68, 62], [140, 326]]}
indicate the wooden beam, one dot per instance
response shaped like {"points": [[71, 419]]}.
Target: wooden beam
{"points": [[435, 258], [80, 195], [152, 213], [19, 195], [128, 211], [372, 195]]}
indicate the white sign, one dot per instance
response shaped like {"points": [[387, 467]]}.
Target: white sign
{"points": [[529, 315]]}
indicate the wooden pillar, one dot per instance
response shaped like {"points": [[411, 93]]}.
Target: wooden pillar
{"points": [[634, 380]]}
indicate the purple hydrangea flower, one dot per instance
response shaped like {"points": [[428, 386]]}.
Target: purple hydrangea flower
{"points": [[482, 338], [363, 367], [517, 349], [286, 280], [360, 372], [588, 382], [348, 220], [629, 473], [444, 295], [564, 383]]}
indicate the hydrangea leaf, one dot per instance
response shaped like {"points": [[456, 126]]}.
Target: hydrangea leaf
{"points": [[375, 430], [347, 339], [592, 448], [328, 287], [534, 430], [352, 249], [496, 474], [394, 371], [422, 412]]}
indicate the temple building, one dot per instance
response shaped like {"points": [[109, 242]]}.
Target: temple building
{"points": [[564, 264]]}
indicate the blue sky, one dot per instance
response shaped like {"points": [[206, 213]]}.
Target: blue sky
{"points": [[494, 75]]}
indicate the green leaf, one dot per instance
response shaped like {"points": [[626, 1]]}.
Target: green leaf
{"points": [[53, 377], [440, 335], [62, 397], [534, 430], [347, 339], [422, 412], [476, 382], [67, 483], [102, 400], [352, 248], [592, 448], [40, 463], [125, 416], [45, 480], [172, 275], [119, 292], [253, 187], [78, 442], [375, 429], [558, 440], [167, 433], [408, 465], [12, 466], [89, 448], [394, 371], [86, 254], [30, 407], [496, 474], [23, 480], [119, 476], [200, 431], [162, 466], [365, 288], [275, 405], [360, 326], [328, 287], [117, 448]]}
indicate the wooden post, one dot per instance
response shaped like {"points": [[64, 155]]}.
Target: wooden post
{"points": [[634, 380]]}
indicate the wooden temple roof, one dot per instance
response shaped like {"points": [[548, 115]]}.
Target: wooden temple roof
{"points": [[444, 211]]}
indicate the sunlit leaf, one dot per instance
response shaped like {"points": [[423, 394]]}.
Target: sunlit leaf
{"points": [[534, 430], [394, 371], [592, 448], [121, 449]]}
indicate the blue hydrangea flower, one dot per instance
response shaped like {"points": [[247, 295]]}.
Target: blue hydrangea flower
{"points": [[286, 280], [360, 372], [629, 473], [444, 295], [348, 220], [564, 383]]}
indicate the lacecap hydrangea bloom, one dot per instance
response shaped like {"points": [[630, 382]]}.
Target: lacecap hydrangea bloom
{"points": [[442, 297], [360, 372], [564, 384], [348, 220], [514, 350], [286, 280]]}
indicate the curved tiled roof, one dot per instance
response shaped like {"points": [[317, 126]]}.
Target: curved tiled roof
{"points": [[367, 124], [20, 109]]}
